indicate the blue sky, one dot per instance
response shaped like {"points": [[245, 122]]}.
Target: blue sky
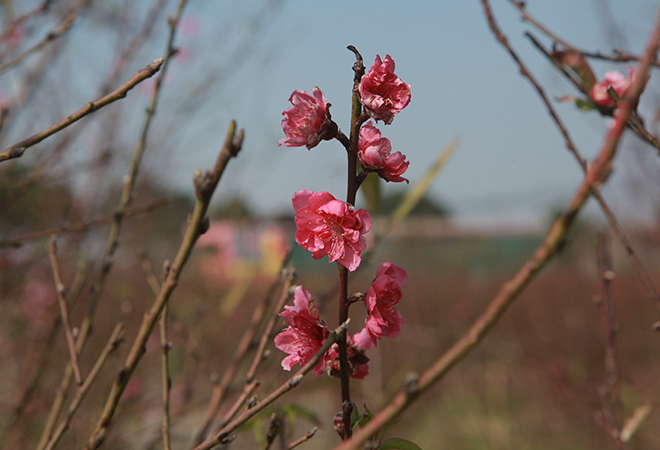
{"points": [[248, 56]]}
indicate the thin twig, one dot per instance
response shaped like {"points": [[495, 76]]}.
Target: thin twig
{"points": [[248, 390], [226, 432], [113, 343], [134, 45], [634, 123], [38, 372], [643, 275], [43, 7], [611, 412], [596, 175], [52, 35], [205, 185], [61, 290], [166, 380], [220, 387], [288, 279], [81, 227], [310, 434], [188, 342], [17, 150], [130, 180], [619, 57]]}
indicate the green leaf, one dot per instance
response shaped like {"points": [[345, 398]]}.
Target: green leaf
{"points": [[363, 419], [417, 191], [372, 193], [399, 444], [578, 64], [585, 105], [257, 430], [299, 411]]}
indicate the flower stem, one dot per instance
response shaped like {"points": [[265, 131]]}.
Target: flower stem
{"points": [[344, 303]]}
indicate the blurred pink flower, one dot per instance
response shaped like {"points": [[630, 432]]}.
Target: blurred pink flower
{"points": [[184, 55], [224, 236], [38, 296], [619, 83], [382, 93], [308, 121], [327, 226], [189, 26], [14, 36], [384, 293], [358, 362], [376, 155], [306, 333]]}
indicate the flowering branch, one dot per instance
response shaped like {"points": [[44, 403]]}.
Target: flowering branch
{"points": [[596, 175], [607, 211], [634, 122], [222, 435], [619, 56], [17, 150]]}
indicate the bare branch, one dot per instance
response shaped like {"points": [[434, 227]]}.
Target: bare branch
{"points": [[17, 150], [59, 287], [113, 343], [84, 226], [205, 186], [52, 35]]}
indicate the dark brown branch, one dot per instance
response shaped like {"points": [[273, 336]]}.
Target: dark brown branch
{"points": [[597, 173]]}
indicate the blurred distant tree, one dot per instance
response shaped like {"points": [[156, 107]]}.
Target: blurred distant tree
{"points": [[426, 206]]}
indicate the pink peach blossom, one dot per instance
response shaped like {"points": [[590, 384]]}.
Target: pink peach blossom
{"points": [[385, 292], [327, 226], [382, 93], [376, 155], [619, 83], [308, 121], [358, 362], [306, 333]]}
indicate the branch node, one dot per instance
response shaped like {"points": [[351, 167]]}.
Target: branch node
{"points": [[227, 439], [295, 381], [410, 384]]}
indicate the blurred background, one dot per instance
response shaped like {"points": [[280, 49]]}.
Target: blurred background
{"points": [[534, 383]]}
